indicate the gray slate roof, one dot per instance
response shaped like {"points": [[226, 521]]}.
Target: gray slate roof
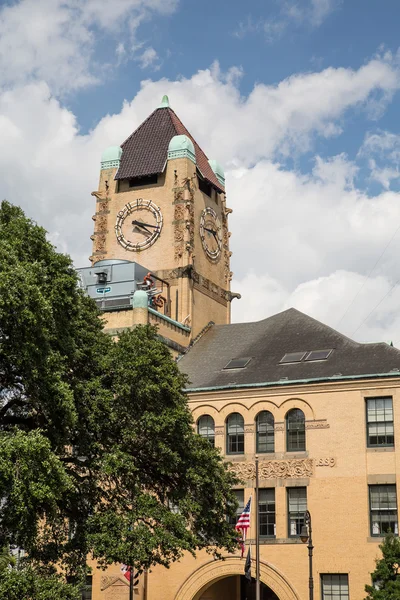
{"points": [[267, 341]]}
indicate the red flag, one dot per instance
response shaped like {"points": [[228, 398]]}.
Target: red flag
{"points": [[126, 571]]}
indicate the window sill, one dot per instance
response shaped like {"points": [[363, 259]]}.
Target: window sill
{"points": [[295, 454], [377, 539], [382, 449]]}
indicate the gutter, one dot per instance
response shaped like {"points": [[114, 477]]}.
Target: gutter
{"points": [[285, 382]]}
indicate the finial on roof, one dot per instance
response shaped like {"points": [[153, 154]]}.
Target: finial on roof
{"points": [[164, 102]]}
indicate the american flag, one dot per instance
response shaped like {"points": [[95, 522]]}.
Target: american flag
{"points": [[243, 523]]}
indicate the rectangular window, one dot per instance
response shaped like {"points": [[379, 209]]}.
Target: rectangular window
{"points": [[383, 509], [240, 498], [87, 590], [142, 181], [204, 186], [297, 506], [335, 587], [380, 422], [266, 512]]}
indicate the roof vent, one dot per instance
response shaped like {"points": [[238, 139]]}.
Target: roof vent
{"points": [[237, 363]]}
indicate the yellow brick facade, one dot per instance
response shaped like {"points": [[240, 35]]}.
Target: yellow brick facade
{"points": [[336, 469]]}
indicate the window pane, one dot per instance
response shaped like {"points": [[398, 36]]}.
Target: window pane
{"points": [[87, 590], [380, 422], [206, 428], [266, 508], [335, 587], [240, 498], [265, 432], [383, 509], [295, 431], [297, 506], [235, 434]]}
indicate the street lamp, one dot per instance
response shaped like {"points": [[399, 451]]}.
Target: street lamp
{"points": [[306, 536]]}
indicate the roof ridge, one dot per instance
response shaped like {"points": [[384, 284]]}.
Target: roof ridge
{"points": [[187, 131]]}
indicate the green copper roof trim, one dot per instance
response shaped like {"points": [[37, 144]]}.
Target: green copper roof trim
{"points": [[111, 157], [218, 170], [164, 102], [282, 382], [181, 146], [169, 320]]}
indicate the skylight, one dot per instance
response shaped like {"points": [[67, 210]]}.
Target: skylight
{"points": [[292, 357], [237, 363], [318, 354]]}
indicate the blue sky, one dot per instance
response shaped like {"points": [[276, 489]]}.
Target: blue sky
{"points": [[298, 99]]}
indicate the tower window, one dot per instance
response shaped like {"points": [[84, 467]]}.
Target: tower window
{"points": [[144, 180], [204, 187]]}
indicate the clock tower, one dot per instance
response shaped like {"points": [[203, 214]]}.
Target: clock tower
{"points": [[161, 204]]}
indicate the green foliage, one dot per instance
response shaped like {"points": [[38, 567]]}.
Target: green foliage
{"points": [[27, 584], [97, 449], [386, 576]]}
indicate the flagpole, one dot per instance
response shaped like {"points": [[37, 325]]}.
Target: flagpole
{"points": [[257, 538], [131, 584]]}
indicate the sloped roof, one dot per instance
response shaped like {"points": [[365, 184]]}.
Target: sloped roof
{"points": [[145, 150], [267, 341]]}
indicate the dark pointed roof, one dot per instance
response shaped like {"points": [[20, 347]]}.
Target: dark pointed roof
{"points": [[145, 150], [267, 341]]}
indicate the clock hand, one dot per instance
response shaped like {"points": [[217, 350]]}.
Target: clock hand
{"points": [[140, 229], [141, 224], [214, 234]]}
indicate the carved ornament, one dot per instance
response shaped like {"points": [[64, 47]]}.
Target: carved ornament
{"points": [[320, 424], [325, 462], [108, 580], [275, 469]]}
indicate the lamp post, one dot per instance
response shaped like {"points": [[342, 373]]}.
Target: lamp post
{"points": [[306, 536]]}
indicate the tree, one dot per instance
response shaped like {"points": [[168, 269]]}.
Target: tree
{"points": [[97, 449], [386, 577]]}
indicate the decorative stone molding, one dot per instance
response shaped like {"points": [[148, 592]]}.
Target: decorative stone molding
{"points": [[249, 429], [279, 426], [219, 430], [108, 580], [317, 424], [275, 469]]}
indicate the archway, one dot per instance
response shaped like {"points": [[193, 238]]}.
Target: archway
{"points": [[234, 587], [214, 570]]}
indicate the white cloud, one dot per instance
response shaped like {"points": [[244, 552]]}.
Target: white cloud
{"points": [[148, 58], [303, 239], [291, 13], [54, 40]]}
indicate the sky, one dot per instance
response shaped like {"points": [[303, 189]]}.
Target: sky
{"points": [[297, 99]]}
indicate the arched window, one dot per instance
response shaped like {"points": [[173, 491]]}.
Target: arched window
{"points": [[206, 428], [235, 434], [265, 432], [295, 430]]}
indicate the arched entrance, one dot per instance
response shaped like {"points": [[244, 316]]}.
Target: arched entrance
{"points": [[234, 587], [214, 570]]}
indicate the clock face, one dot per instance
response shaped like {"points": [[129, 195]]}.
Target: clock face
{"points": [[138, 225], [211, 233]]}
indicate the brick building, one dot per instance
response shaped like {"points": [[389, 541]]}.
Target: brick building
{"points": [[321, 411]]}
